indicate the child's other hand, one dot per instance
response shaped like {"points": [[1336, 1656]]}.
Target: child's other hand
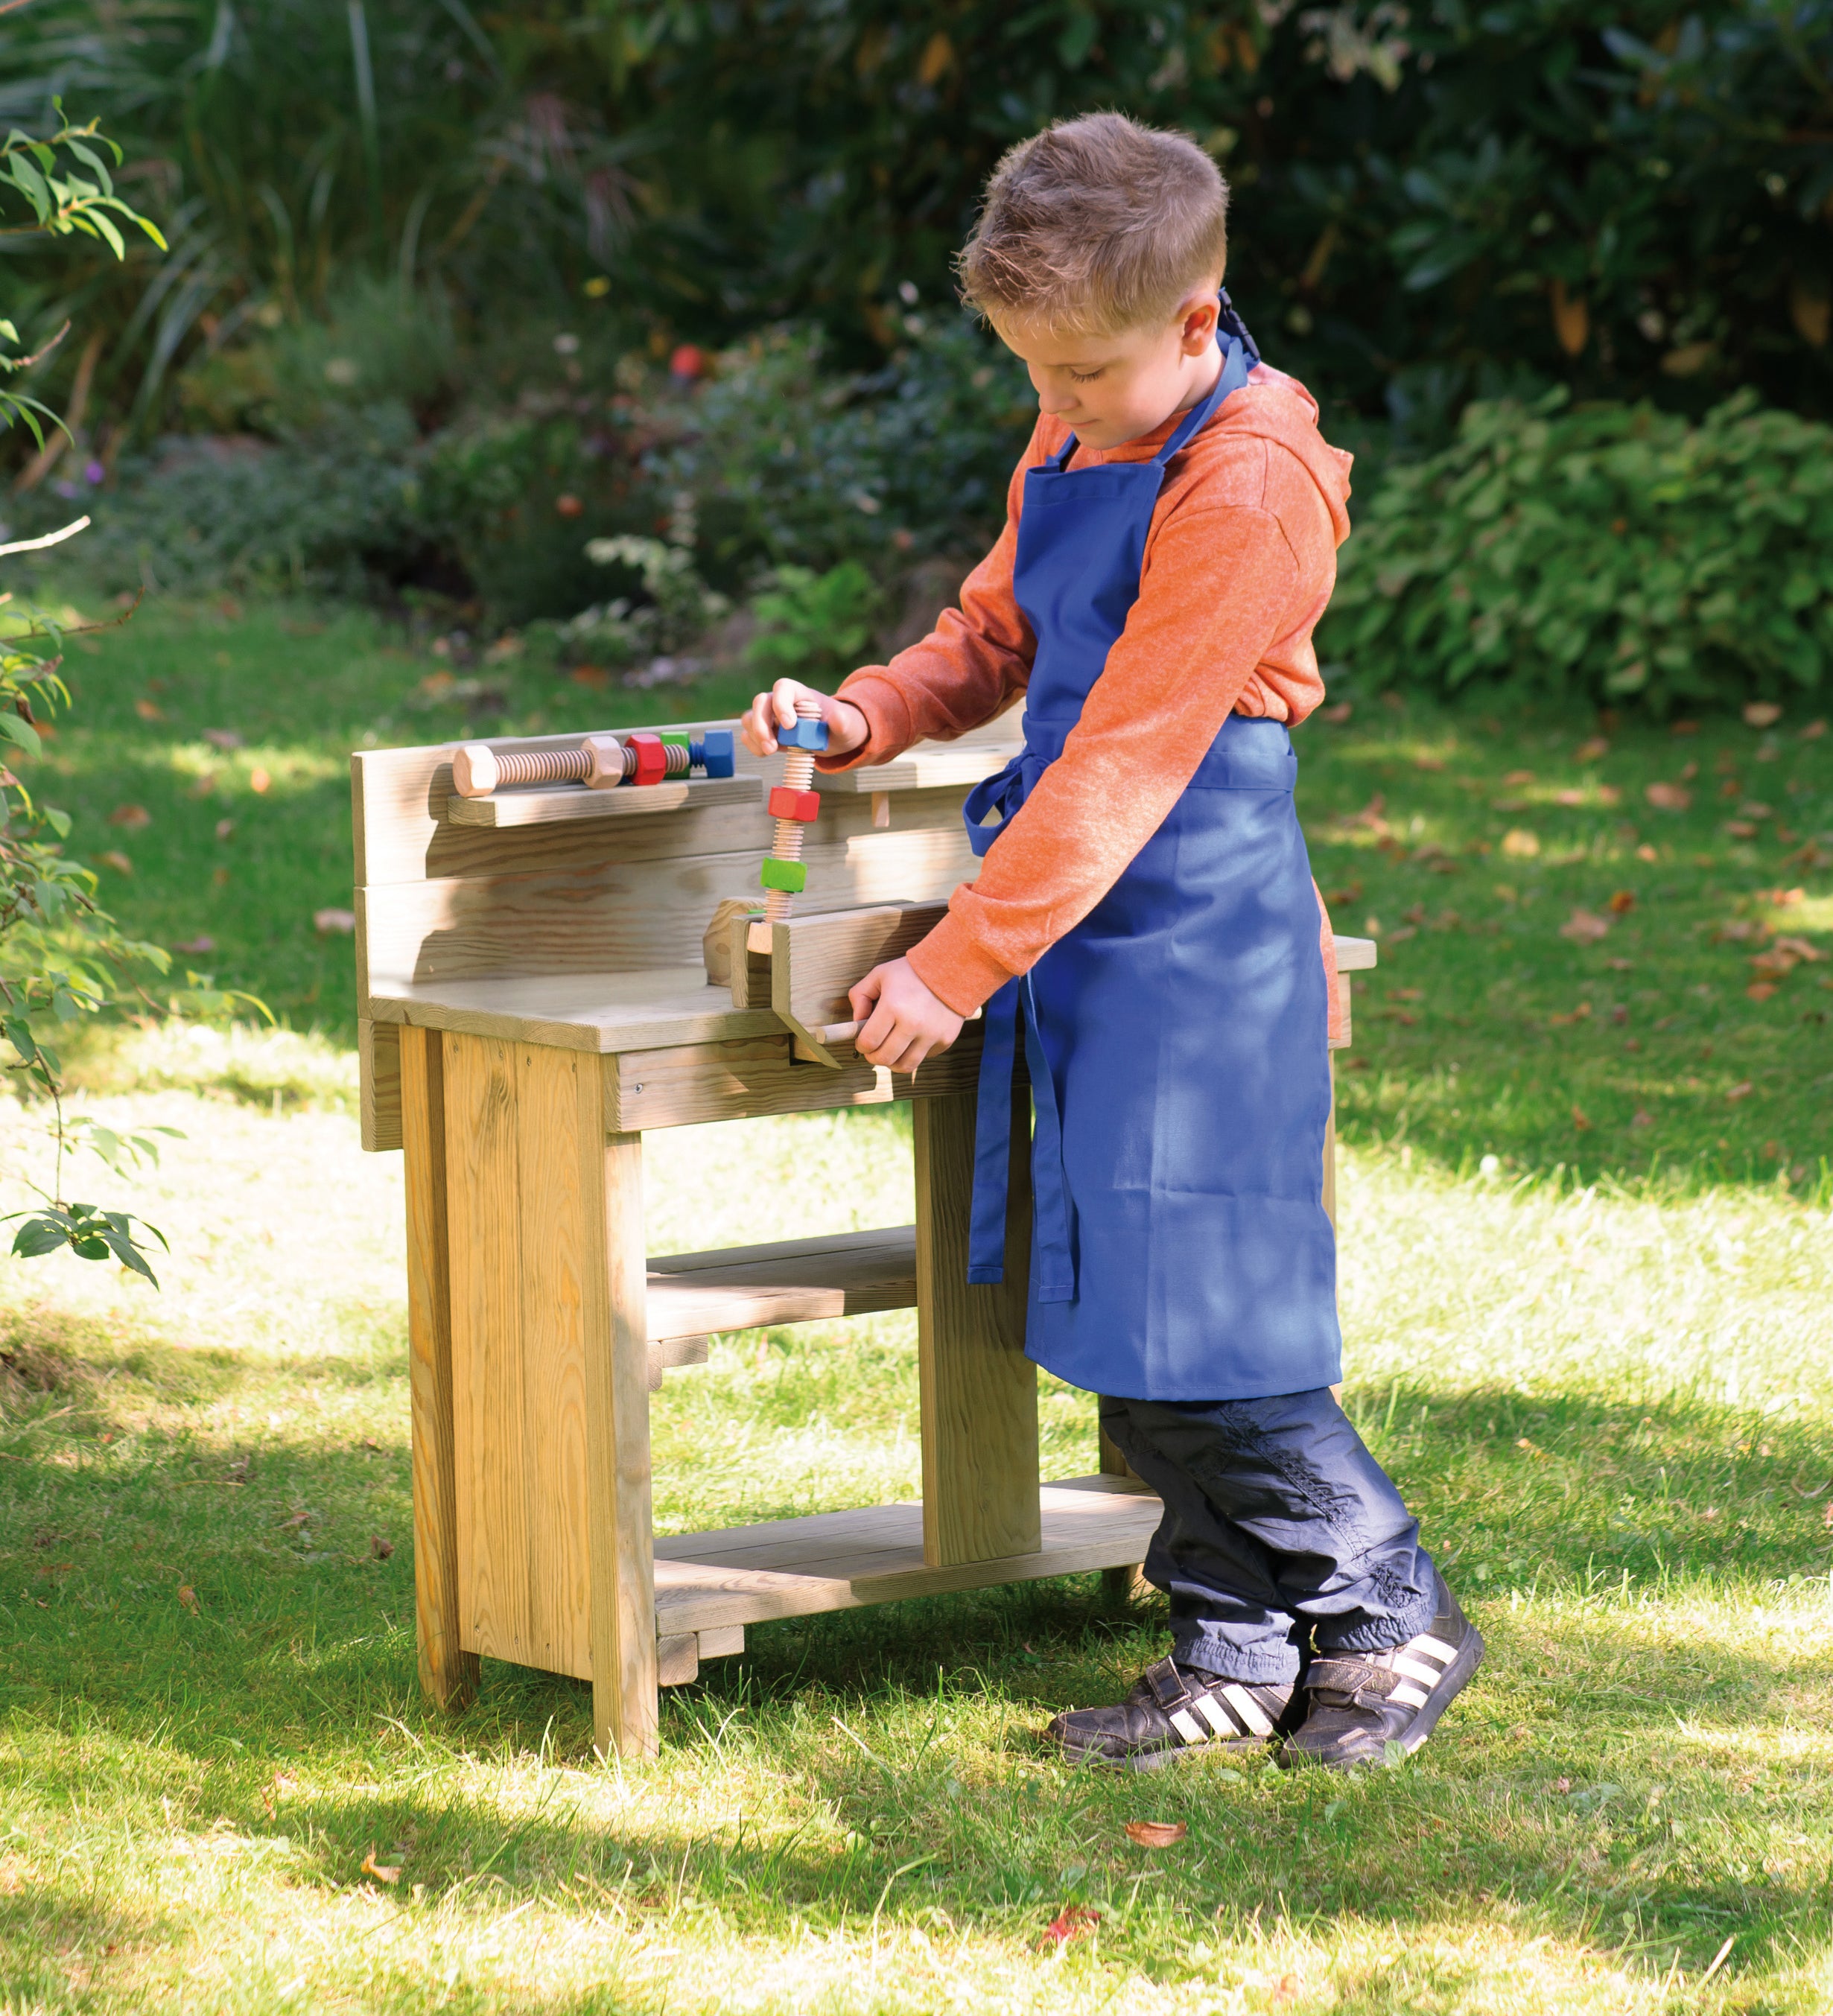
{"points": [[904, 1022], [847, 728]]}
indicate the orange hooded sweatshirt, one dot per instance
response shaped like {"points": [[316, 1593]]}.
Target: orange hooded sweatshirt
{"points": [[1240, 562]]}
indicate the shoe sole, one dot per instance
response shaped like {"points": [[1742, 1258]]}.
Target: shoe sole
{"points": [[1158, 1760], [1451, 1683]]}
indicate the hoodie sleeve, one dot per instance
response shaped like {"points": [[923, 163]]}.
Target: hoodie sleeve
{"points": [[1172, 679]]}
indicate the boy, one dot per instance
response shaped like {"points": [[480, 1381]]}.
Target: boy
{"points": [[1147, 927]]}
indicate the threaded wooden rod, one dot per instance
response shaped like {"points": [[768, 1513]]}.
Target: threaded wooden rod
{"points": [[798, 774]]}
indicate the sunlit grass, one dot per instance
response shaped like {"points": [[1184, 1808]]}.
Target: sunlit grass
{"points": [[1613, 1414]]}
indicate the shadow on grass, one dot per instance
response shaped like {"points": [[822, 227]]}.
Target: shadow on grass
{"points": [[911, 1732]]}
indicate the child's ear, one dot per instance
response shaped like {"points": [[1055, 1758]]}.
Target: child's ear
{"points": [[1200, 313]]}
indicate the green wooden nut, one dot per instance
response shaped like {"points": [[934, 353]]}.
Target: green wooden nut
{"points": [[791, 875], [680, 734]]}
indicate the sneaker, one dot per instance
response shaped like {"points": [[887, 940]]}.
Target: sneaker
{"points": [[1172, 1712], [1361, 1704]]}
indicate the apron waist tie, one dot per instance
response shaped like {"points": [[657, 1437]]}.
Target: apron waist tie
{"points": [[1015, 1005]]}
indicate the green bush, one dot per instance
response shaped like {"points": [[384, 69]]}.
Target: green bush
{"points": [[813, 626], [1606, 551]]}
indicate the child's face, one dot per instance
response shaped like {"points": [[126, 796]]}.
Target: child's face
{"points": [[1110, 389]]}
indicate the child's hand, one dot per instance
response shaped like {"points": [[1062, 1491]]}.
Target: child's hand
{"points": [[904, 1021], [847, 727]]}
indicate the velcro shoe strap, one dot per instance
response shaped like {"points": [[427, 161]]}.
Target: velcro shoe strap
{"points": [[1167, 1684], [1351, 1676]]}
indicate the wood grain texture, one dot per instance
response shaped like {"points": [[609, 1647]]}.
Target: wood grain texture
{"points": [[791, 1281], [378, 1055], [622, 916], [814, 960], [624, 1629], [697, 1083], [486, 1218], [846, 1560], [574, 801], [600, 1012], [449, 1674], [978, 1390]]}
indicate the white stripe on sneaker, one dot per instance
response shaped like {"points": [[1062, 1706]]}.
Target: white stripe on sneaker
{"points": [[1248, 1708], [1187, 1725], [1415, 1669], [1408, 1697], [1434, 1648], [1211, 1713]]}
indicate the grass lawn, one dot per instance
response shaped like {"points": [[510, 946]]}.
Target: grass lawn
{"points": [[1586, 1279]]}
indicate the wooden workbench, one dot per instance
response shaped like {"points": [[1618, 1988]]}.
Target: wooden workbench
{"points": [[533, 999]]}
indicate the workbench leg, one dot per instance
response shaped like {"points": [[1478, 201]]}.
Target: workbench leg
{"points": [[1330, 1180], [978, 1390], [622, 1597], [448, 1675]]}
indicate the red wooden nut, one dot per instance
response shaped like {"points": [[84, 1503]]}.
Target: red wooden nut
{"points": [[652, 758], [786, 804]]}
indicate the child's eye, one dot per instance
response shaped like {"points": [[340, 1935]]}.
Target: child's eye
{"points": [[1086, 377]]}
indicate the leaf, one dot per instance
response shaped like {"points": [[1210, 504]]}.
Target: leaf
{"points": [[149, 709], [188, 1597], [1622, 901], [329, 922], [113, 858], [1742, 1090], [224, 739], [382, 1873], [1763, 714], [1069, 1924], [1520, 844], [1155, 1834], [380, 1549], [1668, 797], [131, 819], [1585, 928]]}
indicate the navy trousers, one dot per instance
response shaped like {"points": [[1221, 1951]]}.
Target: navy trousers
{"points": [[1278, 1523]]}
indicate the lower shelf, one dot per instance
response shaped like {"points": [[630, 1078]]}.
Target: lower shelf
{"points": [[794, 1281], [846, 1560]]}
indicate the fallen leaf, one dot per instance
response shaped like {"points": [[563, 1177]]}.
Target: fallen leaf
{"points": [[1570, 795], [1409, 994], [1518, 777], [1622, 901], [113, 858], [1287, 1990], [1621, 965], [1336, 715], [1799, 948], [380, 1872], [1428, 762], [258, 780], [1593, 751], [188, 1597], [1781, 899], [131, 819], [1585, 928], [1645, 852], [222, 738], [1581, 1013], [1689, 773], [1683, 727], [1668, 797], [224, 828], [1760, 990], [567, 506], [1581, 1119], [1155, 1834], [1351, 892], [296, 1519], [197, 948], [1742, 1090], [1608, 795], [149, 709], [589, 675], [238, 1469], [1813, 732], [205, 785], [1521, 843], [437, 684], [379, 1548], [1069, 1924], [1763, 714], [1740, 830], [1755, 809], [1642, 1118], [333, 920], [1562, 1785]]}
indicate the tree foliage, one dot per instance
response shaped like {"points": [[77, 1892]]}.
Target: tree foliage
{"points": [[1434, 201]]}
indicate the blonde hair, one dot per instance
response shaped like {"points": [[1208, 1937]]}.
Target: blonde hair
{"points": [[1095, 225]]}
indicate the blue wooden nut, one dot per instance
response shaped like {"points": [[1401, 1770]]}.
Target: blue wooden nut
{"points": [[804, 734], [714, 752]]}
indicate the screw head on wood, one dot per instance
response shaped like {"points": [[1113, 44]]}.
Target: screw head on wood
{"points": [[474, 771], [605, 754]]}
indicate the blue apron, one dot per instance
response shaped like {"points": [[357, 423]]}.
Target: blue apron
{"points": [[1177, 1038]]}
